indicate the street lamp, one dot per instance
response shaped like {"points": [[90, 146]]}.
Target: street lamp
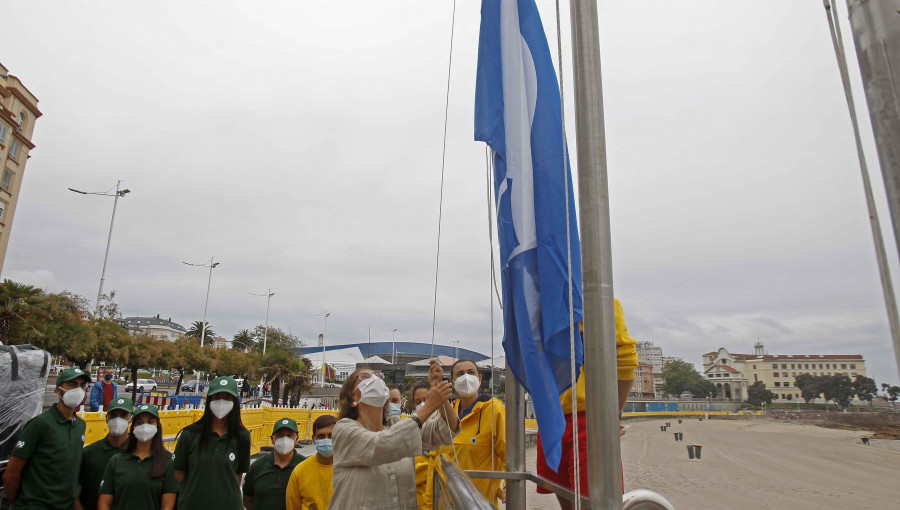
{"points": [[117, 194], [456, 350], [268, 296], [393, 347], [324, 334], [211, 265]]}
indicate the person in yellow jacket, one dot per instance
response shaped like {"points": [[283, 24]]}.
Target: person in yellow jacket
{"points": [[626, 362], [481, 443], [309, 487]]}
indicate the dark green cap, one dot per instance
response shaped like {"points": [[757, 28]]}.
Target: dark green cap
{"points": [[224, 383], [285, 423], [70, 374], [122, 403], [146, 408]]}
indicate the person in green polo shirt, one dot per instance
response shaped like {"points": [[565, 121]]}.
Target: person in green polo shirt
{"points": [[97, 454], [141, 477], [43, 469], [267, 480], [213, 453]]}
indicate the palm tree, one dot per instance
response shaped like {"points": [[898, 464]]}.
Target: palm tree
{"points": [[244, 338], [196, 330], [23, 309]]}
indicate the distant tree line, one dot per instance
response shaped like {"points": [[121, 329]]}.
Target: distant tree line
{"points": [[62, 324]]}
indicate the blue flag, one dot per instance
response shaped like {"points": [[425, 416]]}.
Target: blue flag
{"points": [[517, 113]]}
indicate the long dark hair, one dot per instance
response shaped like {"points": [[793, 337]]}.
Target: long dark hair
{"points": [[157, 451], [348, 410], [203, 426]]}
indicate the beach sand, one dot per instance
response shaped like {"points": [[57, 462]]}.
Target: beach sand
{"points": [[754, 465]]}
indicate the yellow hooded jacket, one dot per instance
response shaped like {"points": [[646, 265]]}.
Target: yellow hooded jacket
{"points": [[626, 361], [473, 447]]}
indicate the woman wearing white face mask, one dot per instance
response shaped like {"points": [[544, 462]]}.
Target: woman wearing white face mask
{"points": [[141, 477], [480, 418], [213, 453], [373, 465]]}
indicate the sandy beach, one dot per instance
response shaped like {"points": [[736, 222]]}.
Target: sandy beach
{"points": [[755, 465]]}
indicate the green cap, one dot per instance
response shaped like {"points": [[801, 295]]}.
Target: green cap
{"points": [[122, 403], [224, 383], [70, 374], [285, 423], [146, 408]]}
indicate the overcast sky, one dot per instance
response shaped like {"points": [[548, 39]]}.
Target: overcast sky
{"points": [[300, 144]]}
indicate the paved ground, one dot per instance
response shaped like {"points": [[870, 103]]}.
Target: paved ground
{"points": [[755, 465]]}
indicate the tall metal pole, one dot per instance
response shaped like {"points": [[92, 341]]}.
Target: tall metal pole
{"points": [[108, 242], [206, 304], [393, 346], [324, 334], [266, 331], [515, 440], [604, 455], [876, 35]]}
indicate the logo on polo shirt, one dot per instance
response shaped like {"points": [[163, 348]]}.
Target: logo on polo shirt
{"points": [[223, 382], [173, 457], [20, 444], [231, 456], [82, 438]]}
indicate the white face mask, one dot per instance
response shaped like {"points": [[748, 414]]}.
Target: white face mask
{"points": [[373, 392], [466, 385], [145, 432], [73, 397], [221, 408], [117, 426], [394, 410], [284, 445]]}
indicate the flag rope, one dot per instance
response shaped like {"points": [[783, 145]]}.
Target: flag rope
{"points": [[437, 262]]}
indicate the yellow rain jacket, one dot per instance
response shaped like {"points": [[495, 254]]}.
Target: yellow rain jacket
{"points": [[309, 487], [626, 361], [473, 447]]}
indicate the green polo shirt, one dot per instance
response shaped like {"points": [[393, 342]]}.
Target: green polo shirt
{"points": [[127, 479], [52, 445], [93, 465], [212, 474], [266, 482]]}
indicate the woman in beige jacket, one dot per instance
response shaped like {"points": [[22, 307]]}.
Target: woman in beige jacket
{"points": [[373, 465]]}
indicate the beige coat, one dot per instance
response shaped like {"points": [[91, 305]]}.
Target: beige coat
{"points": [[376, 470]]}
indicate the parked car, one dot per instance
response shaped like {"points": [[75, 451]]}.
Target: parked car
{"points": [[143, 385], [191, 386]]}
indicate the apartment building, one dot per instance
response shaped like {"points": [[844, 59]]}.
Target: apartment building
{"points": [[18, 113]]}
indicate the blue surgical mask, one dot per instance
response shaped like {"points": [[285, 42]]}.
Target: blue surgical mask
{"points": [[108, 377], [325, 447], [394, 411]]}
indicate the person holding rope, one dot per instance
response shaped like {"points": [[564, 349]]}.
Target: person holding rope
{"points": [[626, 363], [373, 465]]}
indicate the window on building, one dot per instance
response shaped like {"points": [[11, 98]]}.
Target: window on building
{"points": [[783, 366], [784, 374], [7, 180], [854, 375], [775, 374], [726, 375], [775, 366], [20, 120], [777, 384], [807, 366], [820, 366], [14, 150], [755, 378], [843, 366], [754, 367], [2, 210], [787, 383], [852, 366], [792, 365], [3, 131]]}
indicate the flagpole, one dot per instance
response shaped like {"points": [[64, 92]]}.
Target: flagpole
{"points": [[601, 379]]}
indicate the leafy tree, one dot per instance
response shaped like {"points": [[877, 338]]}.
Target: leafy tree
{"points": [[135, 352], [810, 386], [893, 393], [23, 311], [864, 388], [298, 381], [276, 338], [276, 365], [757, 394], [196, 331], [681, 376], [188, 356], [234, 363], [244, 338], [838, 388], [108, 308]]}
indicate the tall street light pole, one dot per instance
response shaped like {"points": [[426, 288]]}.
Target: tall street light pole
{"points": [[119, 193], [393, 346], [268, 296], [324, 334], [211, 265]]}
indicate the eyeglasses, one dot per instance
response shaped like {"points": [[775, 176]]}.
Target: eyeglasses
{"points": [[365, 375]]}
